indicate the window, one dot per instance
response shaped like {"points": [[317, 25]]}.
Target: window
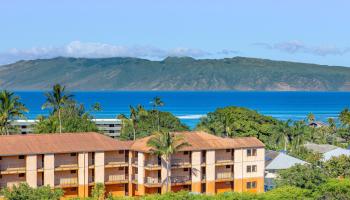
{"points": [[120, 168], [251, 185], [249, 168], [0, 158], [251, 152], [21, 175], [73, 189], [73, 171], [228, 150], [185, 152], [185, 169], [0, 176], [21, 157], [73, 154], [228, 166], [254, 168], [121, 152]]}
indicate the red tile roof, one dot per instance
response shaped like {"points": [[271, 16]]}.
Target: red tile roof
{"points": [[199, 140], [59, 143], [94, 142]]}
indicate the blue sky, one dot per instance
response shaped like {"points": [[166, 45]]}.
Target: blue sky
{"points": [[296, 30]]}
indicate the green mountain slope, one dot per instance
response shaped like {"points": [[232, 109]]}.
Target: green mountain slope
{"points": [[173, 73]]}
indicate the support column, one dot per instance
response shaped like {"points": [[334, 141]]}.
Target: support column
{"points": [[31, 170], [130, 174], [238, 170], [196, 171], [83, 175], [141, 173], [210, 172], [165, 164], [49, 170], [99, 167]]}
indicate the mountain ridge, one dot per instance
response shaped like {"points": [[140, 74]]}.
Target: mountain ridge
{"points": [[173, 73]]}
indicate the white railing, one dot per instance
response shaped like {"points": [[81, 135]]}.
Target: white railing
{"points": [[177, 162], [11, 184], [223, 159], [224, 175], [66, 181], [152, 180], [135, 177], [119, 177], [180, 179], [152, 163]]}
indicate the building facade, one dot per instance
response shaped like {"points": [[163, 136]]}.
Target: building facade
{"points": [[110, 127], [76, 162]]}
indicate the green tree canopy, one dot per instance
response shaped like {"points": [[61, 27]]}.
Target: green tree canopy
{"points": [[74, 119], [142, 121], [24, 192]]}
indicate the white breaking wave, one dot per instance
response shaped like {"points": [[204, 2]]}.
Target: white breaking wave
{"points": [[190, 116]]}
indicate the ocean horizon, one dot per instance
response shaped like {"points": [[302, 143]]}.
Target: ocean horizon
{"points": [[190, 106]]}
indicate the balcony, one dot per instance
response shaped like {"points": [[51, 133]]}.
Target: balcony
{"points": [[152, 165], [134, 178], [66, 182], [224, 160], [224, 176], [180, 163], [11, 184], [179, 180], [116, 162], [66, 166], [12, 168], [153, 182], [116, 178], [135, 161]]}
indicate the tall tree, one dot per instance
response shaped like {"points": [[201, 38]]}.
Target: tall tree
{"points": [[10, 108], [164, 144], [57, 99], [283, 134], [157, 102]]}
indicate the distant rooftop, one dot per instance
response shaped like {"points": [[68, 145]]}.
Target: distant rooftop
{"points": [[276, 160], [319, 148]]}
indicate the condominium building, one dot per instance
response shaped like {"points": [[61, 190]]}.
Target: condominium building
{"points": [[110, 127], [75, 162]]}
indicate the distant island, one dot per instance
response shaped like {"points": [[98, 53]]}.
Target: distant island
{"points": [[173, 73]]}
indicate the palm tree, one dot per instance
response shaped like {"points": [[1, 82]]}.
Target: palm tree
{"points": [[10, 108], [164, 144], [283, 133], [299, 131], [57, 99], [133, 117], [157, 102], [310, 118]]}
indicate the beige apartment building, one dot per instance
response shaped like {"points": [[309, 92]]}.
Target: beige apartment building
{"points": [[75, 162]]}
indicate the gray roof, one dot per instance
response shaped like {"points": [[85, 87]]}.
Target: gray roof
{"points": [[335, 153], [319, 148], [275, 160]]}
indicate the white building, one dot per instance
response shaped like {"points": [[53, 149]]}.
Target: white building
{"points": [[110, 127]]}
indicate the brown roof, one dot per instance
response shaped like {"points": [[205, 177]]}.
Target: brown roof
{"points": [[59, 143], [199, 140]]}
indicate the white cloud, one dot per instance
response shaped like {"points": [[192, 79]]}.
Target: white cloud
{"points": [[296, 46], [101, 50]]}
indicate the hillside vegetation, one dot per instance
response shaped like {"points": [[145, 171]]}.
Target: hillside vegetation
{"points": [[173, 73]]}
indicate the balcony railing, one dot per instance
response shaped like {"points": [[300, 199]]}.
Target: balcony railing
{"points": [[115, 178], [224, 159], [153, 180], [66, 181], [179, 162], [135, 161], [152, 163], [134, 177], [115, 161], [180, 179], [11, 184], [224, 175], [12, 166]]}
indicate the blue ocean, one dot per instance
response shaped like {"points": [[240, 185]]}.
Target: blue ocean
{"points": [[191, 106]]}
